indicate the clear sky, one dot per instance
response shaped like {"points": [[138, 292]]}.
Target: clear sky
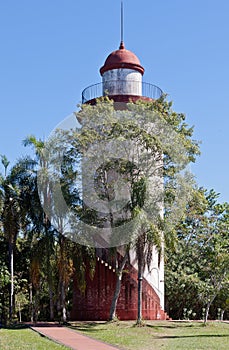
{"points": [[51, 50]]}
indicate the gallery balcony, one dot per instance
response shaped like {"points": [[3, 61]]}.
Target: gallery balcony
{"points": [[121, 91]]}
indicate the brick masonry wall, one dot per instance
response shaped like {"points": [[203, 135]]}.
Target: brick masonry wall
{"points": [[95, 303]]}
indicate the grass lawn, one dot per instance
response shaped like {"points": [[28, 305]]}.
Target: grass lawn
{"points": [[156, 335], [26, 339]]}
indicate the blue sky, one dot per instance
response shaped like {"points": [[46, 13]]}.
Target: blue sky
{"points": [[52, 50]]}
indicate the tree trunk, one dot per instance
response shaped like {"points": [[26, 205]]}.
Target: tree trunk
{"points": [[221, 315], [31, 301], [207, 312], [19, 311], [11, 257], [50, 287], [117, 288], [140, 278], [63, 302], [210, 301], [51, 303], [140, 256], [49, 273]]}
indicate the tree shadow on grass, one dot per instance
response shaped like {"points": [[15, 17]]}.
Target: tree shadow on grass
{"points": [[16, 327], [170, 325], [87, 327], [194, 336]]}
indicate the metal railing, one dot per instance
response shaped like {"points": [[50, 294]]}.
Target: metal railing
{"points": [[97, 90]]}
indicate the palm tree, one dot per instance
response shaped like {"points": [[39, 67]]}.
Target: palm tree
{"points": [[11, 220], [5, 163], [42, 220], [36, 227]]}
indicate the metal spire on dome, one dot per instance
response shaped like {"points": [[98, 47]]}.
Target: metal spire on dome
{"points": [[122, 29]]}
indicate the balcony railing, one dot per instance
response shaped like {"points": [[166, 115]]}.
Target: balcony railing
{"points": [[97, 90]]}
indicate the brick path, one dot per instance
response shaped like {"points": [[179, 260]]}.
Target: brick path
{"points": [[73, 339]]}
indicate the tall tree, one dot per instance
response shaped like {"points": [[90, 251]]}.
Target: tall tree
{"points": [[198, 269], [12, 217], [159, 141], [41, 162]]}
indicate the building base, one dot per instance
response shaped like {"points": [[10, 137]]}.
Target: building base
{"points": [[94, 304]]}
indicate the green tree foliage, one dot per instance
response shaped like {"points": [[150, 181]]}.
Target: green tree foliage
{"points": [[14, 194], [193, 229], [55, 259], [4, 282], [197, 271], [163, 145]]}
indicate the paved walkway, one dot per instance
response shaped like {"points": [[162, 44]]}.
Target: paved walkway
{"points": [[73, 339]]}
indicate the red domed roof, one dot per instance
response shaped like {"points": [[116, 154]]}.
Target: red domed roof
{"points": [[122, 58]]}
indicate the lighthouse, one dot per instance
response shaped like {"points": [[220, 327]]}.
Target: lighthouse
{"points": [[121, 81]]}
